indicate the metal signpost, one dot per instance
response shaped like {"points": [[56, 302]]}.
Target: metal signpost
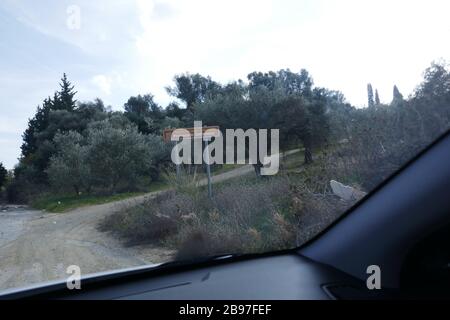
{"points": [[192, 133], [208, 168]]}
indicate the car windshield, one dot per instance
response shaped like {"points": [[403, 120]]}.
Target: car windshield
{"points": [[136, 133]]}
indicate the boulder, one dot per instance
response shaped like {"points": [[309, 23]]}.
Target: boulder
{"points": [[346, 193]]}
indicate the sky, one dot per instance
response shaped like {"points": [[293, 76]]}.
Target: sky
{"points": [[116, 49]]}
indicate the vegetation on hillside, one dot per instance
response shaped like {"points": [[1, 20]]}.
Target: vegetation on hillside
{"points": [[84, 153], [359, 147], [3, 179]]}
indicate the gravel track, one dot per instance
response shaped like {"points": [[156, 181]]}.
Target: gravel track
{"points": [[37, 247]]}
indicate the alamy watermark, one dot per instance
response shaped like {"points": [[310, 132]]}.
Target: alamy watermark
{"points": [[374, 279], [241, 147], [74, 280]]}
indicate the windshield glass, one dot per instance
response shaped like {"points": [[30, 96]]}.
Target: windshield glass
{"points": [[140, 132]]}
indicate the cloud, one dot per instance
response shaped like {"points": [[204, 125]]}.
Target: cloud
{"points": [[103, 83], [10, 126], [10, 139]]}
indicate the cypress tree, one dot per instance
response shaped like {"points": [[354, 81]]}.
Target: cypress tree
{"points": [[397, 96], [377, 98], [370, 95]]}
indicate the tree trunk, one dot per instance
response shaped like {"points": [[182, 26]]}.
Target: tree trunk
{"points": [[257, 168], [308, 155]]}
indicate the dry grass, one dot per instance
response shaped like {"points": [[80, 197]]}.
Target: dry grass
{"points": [[246, 215]]}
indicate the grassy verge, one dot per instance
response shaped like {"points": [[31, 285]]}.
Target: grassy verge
{"points": [[249, 214], [246, 214], [293, 161], [225, 168], [62, 203]]}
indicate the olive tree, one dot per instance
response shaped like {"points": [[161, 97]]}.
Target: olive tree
{"points": [[108, 155], [121, 156], [68, 168]]}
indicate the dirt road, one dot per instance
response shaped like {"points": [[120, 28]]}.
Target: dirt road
{"points": [[37, 247], [40, 246]]}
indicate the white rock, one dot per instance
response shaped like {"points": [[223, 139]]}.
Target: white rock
{"points": [[346, 192]]}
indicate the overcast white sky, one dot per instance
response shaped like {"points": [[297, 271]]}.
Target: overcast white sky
{"points": [[126, 47]]}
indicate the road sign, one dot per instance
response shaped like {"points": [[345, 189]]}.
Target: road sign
{"points": [[208, 168], [190, 133], [204, 133]]}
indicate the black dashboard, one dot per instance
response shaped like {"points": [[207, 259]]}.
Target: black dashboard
{"points": [[287, 276]]}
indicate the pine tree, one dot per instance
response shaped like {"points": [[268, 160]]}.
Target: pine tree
{"points": [[35, 125], [377, 98], [65, 97], [370, 95], [37, 147]]}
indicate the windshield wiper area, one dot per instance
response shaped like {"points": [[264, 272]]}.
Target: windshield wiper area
{"points": [[200, 260]]}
